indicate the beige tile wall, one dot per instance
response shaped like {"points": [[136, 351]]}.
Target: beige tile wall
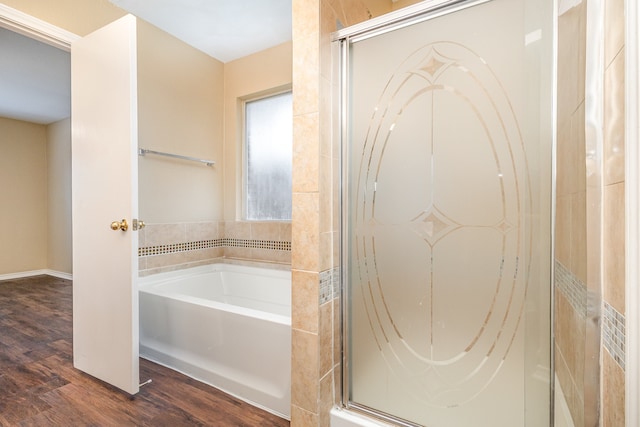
{"points": [[172, 234], [613, 402], [571, 208], [305, 238], [613, 376], [578, 217], [570, 338], [271, 231], [315, 327], [178, 233]]}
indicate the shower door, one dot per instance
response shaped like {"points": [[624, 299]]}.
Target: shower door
{"points": [[447, 141]]}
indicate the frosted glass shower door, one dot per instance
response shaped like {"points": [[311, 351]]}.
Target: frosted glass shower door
{"points": [[446, 221]]}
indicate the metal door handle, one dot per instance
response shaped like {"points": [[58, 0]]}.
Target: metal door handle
{"points": [[138, 224], [120, 225]]}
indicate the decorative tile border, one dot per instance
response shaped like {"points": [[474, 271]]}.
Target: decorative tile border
{"points": [[572, 288], [613, 323], [329, 285], [326, 286], [214, 243], [273, 245], [335, 277], [179, 247], [613, 333]]}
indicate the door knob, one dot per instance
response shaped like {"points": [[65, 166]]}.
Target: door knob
{"points": [[120, 225], [138, 224]]}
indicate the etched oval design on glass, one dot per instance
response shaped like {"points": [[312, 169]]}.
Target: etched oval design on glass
{"points": [[440, 224]]}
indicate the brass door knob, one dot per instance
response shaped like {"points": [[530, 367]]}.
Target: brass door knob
{"points": [[120, 225]]}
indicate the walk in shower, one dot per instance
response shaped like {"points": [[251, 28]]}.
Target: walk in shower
{"points": [[447, 140]]}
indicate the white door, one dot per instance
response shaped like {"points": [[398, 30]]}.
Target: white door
{"points": [[105, 189]]}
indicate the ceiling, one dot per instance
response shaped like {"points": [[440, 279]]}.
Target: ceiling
{"points": [[224, 29], [35, 82]]}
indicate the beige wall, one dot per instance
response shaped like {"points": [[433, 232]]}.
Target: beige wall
{"points": [[253, 75], [23, 195], [36, 160], [180, 110], [77, 16], [59, 252]]}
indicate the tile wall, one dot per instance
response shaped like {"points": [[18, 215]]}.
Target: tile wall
{"points": [[164, 247], [571, 275], [590, 198], [314, 263], [613, 320], [305, 237]]}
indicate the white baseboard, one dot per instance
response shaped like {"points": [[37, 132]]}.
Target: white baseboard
{"points": [[59, 274], [22, 274], [32, 273]]}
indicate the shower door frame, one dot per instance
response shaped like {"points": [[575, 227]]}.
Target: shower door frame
{"points": [[423, 11]]}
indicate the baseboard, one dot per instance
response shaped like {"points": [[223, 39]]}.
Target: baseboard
{"points": [[59, 274], [32, 273]]}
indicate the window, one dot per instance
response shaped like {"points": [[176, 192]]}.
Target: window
{"points": [[268, 152]]}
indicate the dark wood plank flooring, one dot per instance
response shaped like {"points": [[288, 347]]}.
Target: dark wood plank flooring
{"points": [[40, 387]]}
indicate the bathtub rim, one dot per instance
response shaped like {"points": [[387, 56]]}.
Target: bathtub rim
{"points": [[153, 271], [150, 279]]}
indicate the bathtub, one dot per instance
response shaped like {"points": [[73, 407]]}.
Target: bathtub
{"points": [[226, 325]]}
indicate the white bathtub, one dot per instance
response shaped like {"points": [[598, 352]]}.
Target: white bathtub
{"points": [[226, 325]]}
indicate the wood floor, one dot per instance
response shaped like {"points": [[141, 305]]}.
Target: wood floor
{"points": [[40, 387]]}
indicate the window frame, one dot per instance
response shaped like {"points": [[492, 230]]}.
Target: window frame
{"points": [[243, 169]]}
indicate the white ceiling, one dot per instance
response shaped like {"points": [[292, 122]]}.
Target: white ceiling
{"points": [[224, 29], [35, 82]]}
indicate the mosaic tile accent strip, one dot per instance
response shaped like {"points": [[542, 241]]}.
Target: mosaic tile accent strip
{"points": [[613, 334], [335, 277], [214, 243], [572, 288], [257, 244], [326, 286], [329, 285]]}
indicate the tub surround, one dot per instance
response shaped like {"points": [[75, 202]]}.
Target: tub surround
{"points": [[165, 247]]}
